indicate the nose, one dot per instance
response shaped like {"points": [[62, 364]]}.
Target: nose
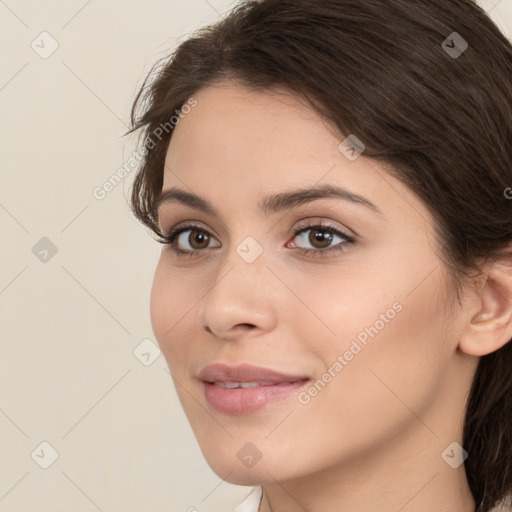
{"points": [[241, 300]]}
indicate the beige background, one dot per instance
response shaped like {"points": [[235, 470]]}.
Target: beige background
{"points": [[73, 372]]}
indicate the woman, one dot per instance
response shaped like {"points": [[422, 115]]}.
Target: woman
{"points": [[331, 180]]}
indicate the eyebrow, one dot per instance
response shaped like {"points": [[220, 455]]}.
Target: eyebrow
{"points": [[270, 204]]}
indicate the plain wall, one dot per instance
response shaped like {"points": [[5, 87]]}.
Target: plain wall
{"points": [[72, 319]]}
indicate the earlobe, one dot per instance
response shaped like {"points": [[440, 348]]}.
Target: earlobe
{"points": [[490, 328]]}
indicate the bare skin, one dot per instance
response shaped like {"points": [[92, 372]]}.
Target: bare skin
{"points": [[372, 439]]}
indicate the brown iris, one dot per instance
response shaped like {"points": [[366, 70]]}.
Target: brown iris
{"points": [[199, 237], [321, 236]]}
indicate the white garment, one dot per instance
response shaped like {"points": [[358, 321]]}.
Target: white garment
{"points": [[251, 502]]}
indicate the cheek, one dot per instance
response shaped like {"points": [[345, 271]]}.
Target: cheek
{"points": [[398, 369], [388, 299], [391, 335], [171, 308], [338, 306], [369, 400]]}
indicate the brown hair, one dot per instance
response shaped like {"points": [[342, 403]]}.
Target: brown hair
{"points": [[438, 114]]}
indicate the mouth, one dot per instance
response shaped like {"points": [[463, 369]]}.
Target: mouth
{"points": [[245, 385], [243, 389]]}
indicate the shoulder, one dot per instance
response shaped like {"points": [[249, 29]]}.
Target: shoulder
{"points": [[251, 502]]}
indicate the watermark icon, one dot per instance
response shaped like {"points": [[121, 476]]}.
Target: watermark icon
{"points": [[454, 455], [101, 191], [44, 250], [147, 352], [454, 45], [249, 454], [44, 455], [44, 45], [249, 249], [304, 397], [508, 192], [352, 147]]}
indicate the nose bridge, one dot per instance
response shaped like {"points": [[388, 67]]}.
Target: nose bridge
{"points": [[243, 271], [242, 292], [246, 254]]}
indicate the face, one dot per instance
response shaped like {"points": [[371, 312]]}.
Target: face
{"points": [[343, 293]]}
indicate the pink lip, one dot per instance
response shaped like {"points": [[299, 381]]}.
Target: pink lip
{"points": [[244, 373], [238, 401]]}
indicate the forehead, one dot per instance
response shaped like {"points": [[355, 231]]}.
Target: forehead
{"points": [[238, 144], [235, 130]]}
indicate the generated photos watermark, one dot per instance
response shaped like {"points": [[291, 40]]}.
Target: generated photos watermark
{"points": [[304, 397], [101, 191]]}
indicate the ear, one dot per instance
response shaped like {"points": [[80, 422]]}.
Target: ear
{"points": [[490, 323]]}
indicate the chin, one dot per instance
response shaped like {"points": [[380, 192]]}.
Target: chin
{"points": [[232, 468], [237, 462], [234, 473]]}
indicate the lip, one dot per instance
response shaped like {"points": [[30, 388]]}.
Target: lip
{"points": [[237, 401], [245, 373]]}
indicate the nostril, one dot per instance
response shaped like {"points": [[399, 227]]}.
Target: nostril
{"points": [[248, 325], [243, 326]]}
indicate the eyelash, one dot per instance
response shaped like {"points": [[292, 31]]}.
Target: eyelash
{"points": [[306, 226]]}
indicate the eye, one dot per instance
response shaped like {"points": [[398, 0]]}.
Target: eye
{"points": [[321, 238], [191, 240], [193, 236]]}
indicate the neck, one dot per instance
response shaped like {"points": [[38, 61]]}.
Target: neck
{"points": [[408, 474]]}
